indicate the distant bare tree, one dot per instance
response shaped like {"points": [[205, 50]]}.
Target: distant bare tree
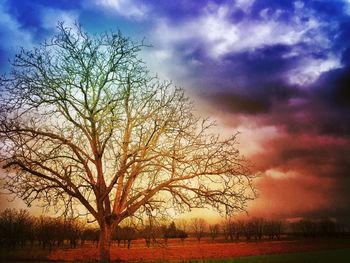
{"points": [[329, 228], [118, 235], [199, 226], [274, 228], [73, 231], [82, 122], [89, 234], [183, 229], [307, 228], [214, 231], [150, 229], [225, 229], [258, 225], [15, 227], [129, 234], [182, 224], [47, 229], [148, 233], [248, 229], [233, 229]]}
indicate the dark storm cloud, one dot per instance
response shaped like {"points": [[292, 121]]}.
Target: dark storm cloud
{"points": [[247, 100], [321, 175], [306, 113], [314, 117], [262, 64], [259, 81], [261, 74], [249, 70], [297, 84], [333, 86], [237, 103], [250, 82]]}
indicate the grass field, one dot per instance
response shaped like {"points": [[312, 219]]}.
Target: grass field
{"points": [[288, 251], [329, 256]]}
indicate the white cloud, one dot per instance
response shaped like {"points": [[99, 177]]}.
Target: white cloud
{"points": [[308, 70], [252, 138], [126, 8], [298, 5], [214, 32], [50, 17], [347, 7], [276, 174], [245, 5], [156, 59], [221, 36]]}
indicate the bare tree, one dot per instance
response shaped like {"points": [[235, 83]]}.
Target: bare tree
{"points": [[214, 231], [182, 224], [47, 231], [129, 234], [199, 226], [84, 125], [182, 228], [258, 225], [15, 227], [274, 228], [233, 229], [73, 229]]}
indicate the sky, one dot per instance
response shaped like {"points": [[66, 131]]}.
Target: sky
{"points": [[276, 71]]}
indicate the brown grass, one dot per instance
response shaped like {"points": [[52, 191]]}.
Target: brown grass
{"points": [[193, 250]]}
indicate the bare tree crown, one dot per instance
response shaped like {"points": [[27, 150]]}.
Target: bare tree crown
{"points": [[84, 123]]}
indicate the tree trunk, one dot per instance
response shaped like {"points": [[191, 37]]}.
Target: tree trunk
{"points": [[105, 243]]}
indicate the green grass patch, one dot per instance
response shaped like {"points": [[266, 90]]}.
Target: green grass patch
{"points": [[329, 256]]}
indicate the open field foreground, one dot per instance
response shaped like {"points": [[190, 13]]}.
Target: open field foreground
{"points": [[193, 250], [337, 255]]}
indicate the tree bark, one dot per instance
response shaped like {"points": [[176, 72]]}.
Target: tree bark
{"points": [[105, 243]]}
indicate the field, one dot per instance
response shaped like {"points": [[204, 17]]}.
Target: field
{"points": [[245, 252], [338, 256]]}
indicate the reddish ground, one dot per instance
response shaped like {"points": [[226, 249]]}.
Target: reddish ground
{"points": [[193, 250]]}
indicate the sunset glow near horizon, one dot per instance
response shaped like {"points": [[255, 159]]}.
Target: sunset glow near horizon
{"points": [[276, 71]]}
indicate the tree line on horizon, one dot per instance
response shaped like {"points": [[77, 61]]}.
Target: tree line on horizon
{"points": [[18, 229]]}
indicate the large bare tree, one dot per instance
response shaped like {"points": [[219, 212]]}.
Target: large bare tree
{"points": [[83, 123]]}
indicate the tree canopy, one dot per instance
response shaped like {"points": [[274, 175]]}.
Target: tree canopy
{"points": [[84, 123]]}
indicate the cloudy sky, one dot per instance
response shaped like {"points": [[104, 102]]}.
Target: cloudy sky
{"points": [[277, 71]]}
